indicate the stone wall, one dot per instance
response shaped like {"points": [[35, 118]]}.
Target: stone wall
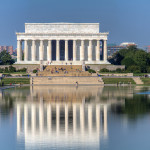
{"points": [[109, 67], [117, 74], [30, 68], [94, 67]]}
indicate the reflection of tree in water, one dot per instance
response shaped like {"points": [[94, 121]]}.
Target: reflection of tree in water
{"points": [[138, 105], [6, 107], [9, 98], [114, 92]]}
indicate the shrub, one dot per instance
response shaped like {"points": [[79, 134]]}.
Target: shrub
{"points": [[34, 71], [12, 69], [91, 71], [7, 75], [1, 70], [6, 70], [22, 70], [119, 70], [104, 70]]}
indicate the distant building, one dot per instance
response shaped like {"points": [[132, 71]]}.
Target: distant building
{"points": [[7, 48], [147, 49], [15, 52], [126, 44], [113, 48]]}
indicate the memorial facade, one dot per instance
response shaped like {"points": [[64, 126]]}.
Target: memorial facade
{"points": [[62, 43]]}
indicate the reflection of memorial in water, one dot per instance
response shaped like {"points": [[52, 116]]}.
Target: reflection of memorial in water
{"points": [[63, 117]]}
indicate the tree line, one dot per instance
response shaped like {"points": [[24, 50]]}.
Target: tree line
{"points": [[135, 60]]}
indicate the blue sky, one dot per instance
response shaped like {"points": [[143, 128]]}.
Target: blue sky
{"points": [[125, 20]]}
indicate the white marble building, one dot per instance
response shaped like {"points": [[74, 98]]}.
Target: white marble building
{"points": [[61, 43]]}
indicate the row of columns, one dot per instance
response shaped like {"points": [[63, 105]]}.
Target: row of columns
{"points": [[49, 50], [66, 109]]}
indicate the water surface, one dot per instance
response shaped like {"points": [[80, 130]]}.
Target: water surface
{"points": [[68, 117]]}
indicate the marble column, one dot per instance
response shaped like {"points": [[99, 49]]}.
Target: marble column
{"points": [[33, 50], [90, 51], [105, 50], [82, 51], [49, 51], [57, 51], [98, 51], [25, 50], [19, 51], [74, 50], [41, 54], [66, 50]]}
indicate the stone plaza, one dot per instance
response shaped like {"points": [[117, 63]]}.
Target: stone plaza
{"points": [[61, 44]]}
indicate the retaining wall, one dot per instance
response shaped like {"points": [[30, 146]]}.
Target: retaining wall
{"points": [[109, 67], [30, 68]]}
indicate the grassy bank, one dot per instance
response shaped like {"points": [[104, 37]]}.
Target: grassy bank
{"points": [[146, 81], [16, 81], [117, 80], [15, 73]]}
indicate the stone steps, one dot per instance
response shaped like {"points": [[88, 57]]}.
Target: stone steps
{"points": [[72, 70], [66, 67], [137, 80], [64, 74], [66, 80]]}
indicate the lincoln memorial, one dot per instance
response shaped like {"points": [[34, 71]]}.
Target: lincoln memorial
{"points": [[62, 43]]}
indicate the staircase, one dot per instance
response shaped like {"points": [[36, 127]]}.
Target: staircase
{"points": [[137, 80], [64, 70], [66, 80]]}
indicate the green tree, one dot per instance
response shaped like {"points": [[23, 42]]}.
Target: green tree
{"points": [[148, 69], [133, 58], [134, 69], [141, 58], [116, 59], [128, 61], [5, 58]]}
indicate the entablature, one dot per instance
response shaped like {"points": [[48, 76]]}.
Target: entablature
{"points": [[60, 36]]}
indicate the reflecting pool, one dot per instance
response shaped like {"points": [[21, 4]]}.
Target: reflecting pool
{"points": [[69, 117]]}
